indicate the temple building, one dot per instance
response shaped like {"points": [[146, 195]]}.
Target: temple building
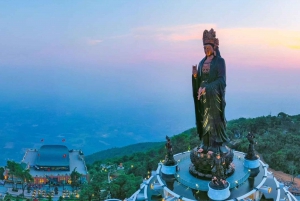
{"points": [[54, 163], [52, 158]]}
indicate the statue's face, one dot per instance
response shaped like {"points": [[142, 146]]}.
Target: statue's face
{"points": [[209, 50]]}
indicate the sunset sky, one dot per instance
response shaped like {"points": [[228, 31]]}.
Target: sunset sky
{"points": [[135, 32], [108, 52]]}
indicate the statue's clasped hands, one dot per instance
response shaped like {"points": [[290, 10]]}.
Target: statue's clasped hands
{"points": [[201, 91]]}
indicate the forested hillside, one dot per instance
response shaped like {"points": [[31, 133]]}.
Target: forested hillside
{"points": [[278, 141], [118, 152]]}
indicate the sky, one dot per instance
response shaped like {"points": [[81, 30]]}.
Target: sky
{"points": [[137, 56]]}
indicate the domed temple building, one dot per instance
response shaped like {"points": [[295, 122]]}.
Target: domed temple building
{"points": [[55, 163]]}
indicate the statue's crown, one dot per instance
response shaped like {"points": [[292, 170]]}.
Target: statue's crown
{"points": [[209, 37]]}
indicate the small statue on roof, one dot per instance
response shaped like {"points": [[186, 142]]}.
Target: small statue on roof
{"points": [[169, 159], [251, 151]]}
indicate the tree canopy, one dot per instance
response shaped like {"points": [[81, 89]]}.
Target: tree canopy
{"points": [[278, 142]]}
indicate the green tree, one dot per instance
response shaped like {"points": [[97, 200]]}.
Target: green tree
{"points": [[17, 172], [49, 198], [25, 177], [14, 170], [277, 144], [87, 192], [1, 173], [75, 178], [292, 168], [124, 186]]}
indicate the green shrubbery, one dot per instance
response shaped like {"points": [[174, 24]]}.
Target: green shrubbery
{"points": [[278, 141]]}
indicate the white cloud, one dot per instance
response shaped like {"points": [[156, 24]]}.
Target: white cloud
{"points": [[105, 143], [9, 145], [94, 41], [105, 135]]}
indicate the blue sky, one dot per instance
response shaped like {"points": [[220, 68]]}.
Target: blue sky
{"points": [[105, 53], [97, 32]]}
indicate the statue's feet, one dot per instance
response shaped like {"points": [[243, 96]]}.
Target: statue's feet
{"points": [[223, 149], [203, 149], [219, 148], [214, 149]]}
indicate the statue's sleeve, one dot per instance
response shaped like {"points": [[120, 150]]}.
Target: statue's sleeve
{"points": [[220, 81], [195, 86], [196, 81]]}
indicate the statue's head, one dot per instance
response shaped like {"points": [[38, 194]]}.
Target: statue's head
{"points": [[210, 42], [208, 50]]}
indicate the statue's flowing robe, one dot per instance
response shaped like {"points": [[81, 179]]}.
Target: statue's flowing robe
{"points": [[210, 109]]}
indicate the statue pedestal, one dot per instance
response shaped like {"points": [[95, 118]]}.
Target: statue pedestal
{"points": [[202, 162], [218, 194], [251, 164], [169, 170]]}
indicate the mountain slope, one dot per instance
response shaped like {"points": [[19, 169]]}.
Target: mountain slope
{"points": [[122, 151]]}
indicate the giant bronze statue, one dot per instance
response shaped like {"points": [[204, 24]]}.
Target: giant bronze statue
{"points": [[209, 83]]}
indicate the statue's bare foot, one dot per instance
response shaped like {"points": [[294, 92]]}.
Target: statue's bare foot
{"points": [[203, 149]]}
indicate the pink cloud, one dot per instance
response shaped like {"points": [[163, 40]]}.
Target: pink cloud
{"points": [[240, 46], [174, 33], [183, 44], [262, 47]]}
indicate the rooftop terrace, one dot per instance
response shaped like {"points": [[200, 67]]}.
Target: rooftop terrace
{"points": [[75, 161], [53, 156]]}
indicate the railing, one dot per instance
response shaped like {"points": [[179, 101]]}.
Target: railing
{"points": [[171, 193], [182, 156], [290, 195], [277, 187], [205, 188], [256, 188], [240, 181], [189, 184], [134, 196], [146, 187]]}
